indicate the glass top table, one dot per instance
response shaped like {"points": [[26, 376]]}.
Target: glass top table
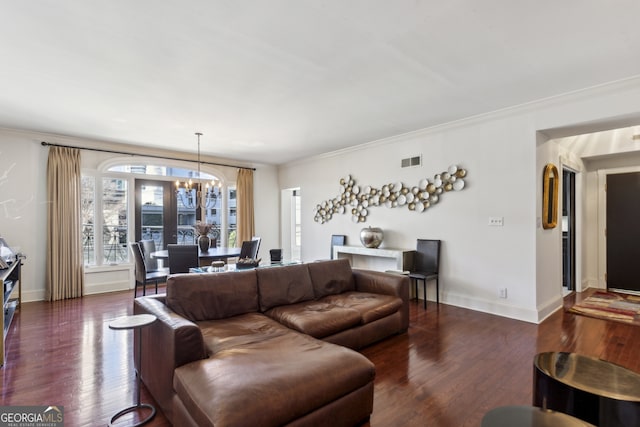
{"points": [[211, 254]]}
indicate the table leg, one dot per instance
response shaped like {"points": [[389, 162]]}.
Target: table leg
{"points": [[138, 405]]}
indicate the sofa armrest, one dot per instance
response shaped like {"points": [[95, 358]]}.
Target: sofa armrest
{"points": [[379, 282], [169, 342]]}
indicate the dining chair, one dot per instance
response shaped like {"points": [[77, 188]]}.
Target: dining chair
{"points": [[337, 240], [182, 258], [142, 276], [426, 266], [258, 239], [249, 249], [148, 247]]}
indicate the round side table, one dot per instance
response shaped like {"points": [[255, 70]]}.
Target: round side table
{"points": [[529, 416], [136, 322]]}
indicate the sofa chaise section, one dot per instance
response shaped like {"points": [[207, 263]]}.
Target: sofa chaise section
{"points": [[263, 373]]}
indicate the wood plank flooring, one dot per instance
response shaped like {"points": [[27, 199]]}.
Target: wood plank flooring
{"points": [[448, 370]]}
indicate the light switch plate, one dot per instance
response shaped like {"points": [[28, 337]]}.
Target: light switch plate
{"points": [[496, 221]]}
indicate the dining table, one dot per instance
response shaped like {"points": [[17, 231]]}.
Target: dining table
{"points": [[211, 254]]}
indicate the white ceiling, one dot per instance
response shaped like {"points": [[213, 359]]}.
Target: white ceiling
{"points": [[272, 81]]}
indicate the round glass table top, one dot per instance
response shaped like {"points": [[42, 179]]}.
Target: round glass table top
{"points": [[590, 374]]}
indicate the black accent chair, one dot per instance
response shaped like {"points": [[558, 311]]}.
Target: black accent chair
{"points": [[249, 249], [337, 240], [182, 258], [148, 247], [144, 277], [426, 265]]}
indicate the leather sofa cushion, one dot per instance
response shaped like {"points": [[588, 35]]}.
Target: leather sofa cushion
{"points": [[238, 331], [213, 296], [284, 285], [316, 318], [268, 382], [370, 307], [331, 277]]}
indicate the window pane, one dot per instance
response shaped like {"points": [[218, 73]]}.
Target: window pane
{"points": [[186, 223], [152, 210], [115, 221], [233, 219], [162, 171], [88, 219], [213, 215]]}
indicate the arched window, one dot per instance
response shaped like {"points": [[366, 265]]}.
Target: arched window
{"points": [[125, 201]]}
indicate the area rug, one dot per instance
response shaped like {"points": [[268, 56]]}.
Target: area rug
{"points": [[610, 306]]}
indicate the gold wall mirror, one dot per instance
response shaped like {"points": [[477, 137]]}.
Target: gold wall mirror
{"points": [[550, 196]]}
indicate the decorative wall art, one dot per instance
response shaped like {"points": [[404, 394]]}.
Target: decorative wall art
{"points": [[550, 180], [358, 201]]}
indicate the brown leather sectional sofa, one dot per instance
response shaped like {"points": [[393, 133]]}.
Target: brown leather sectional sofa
{"points": [[258, 347]]}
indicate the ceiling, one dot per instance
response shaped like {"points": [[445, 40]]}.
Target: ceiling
{"points": [[278, 80]]}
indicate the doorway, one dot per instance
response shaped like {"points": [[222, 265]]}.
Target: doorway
{"points": [[568, 231], [291, 224], [161, 217], [623, 231]]}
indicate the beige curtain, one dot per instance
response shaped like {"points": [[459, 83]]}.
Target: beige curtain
{"points": [[244, 198], [65, 276]]}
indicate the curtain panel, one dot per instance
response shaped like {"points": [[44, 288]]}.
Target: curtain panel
{"points": [[64, 275], [244, 198]]}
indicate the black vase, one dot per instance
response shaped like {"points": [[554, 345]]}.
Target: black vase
{"points": [[204, 243]]}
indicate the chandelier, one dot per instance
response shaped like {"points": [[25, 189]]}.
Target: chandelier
{"points": [[199, 194]]}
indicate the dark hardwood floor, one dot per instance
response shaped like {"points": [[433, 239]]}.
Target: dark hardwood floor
{"points": [[448, 370]]}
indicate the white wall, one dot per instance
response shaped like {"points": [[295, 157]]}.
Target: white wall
{"points": [[23, 163], [23, 167], [503, 153]]}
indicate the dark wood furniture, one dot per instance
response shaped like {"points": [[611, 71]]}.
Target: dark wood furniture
{"points": [[599, 392], [10, 280]]}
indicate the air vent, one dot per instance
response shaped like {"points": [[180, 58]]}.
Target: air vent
{"points": [[411, 161]]}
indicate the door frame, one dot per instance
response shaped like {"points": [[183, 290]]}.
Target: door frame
{"points": [[602, 219], [572, 230]]}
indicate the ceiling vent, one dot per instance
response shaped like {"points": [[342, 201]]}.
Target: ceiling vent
{"points": [[411, 161]]}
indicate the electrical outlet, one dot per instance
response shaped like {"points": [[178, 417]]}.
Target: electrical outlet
{"points": [[503, 292], [496, 221]]}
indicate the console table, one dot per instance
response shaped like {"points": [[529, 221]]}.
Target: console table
{"points": [[376, 258]]}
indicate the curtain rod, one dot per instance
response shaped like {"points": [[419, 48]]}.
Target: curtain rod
{"points": [[44, 143]]}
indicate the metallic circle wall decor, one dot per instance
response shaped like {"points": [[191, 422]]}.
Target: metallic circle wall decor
{"points": [[417, 198]]}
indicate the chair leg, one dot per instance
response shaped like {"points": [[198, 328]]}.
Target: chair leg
{"points": [[156, 287], [424, 289], [438, 291]]}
